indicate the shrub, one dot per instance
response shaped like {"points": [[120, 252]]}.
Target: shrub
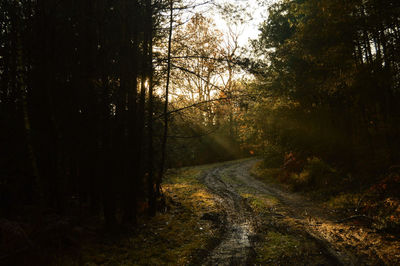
{"points": [[293, 162], [315, 175], [273, 157], [383, 203]]}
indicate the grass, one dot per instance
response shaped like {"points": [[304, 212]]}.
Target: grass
{"points": [[277, 245], [368, 217], [259, 203], [267, 175], [282, 239], [177, 237], [328, 189], [279, 248]]}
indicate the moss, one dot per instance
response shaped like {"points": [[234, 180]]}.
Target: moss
{"points": [[260, 203], [277, 245], [288, 249]]}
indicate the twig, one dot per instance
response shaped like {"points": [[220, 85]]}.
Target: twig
{"points": [[355, 217]]}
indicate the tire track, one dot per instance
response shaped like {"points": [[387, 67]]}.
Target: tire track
{"points": [[237, 246]]}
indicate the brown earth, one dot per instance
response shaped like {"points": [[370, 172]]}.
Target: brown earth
{"points": [[264, 224]]}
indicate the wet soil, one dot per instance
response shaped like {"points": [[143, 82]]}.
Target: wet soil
{"points": [[235, 247], [320, 238]]}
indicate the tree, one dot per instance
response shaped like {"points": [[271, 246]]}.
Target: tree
{"points": [[202, 72], [327, 67], [77, 95]]}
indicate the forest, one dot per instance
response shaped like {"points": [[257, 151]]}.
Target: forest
{"points": [[145, 132]]}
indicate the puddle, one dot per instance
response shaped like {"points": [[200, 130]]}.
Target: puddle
{"points": [[235, 248]]}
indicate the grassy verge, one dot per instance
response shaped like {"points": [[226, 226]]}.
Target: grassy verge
{"points": [[176, 237], [280, 248], [375, 206], [267, 175]]}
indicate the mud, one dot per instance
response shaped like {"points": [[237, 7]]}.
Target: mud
{"points": [[235, 247], [332, 243]]}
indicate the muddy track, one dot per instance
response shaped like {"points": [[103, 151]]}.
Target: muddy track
{"points": [[324, 239], [235, 247], [242, 225]]}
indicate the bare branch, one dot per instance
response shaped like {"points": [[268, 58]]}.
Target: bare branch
{"points": [[205, 102]]}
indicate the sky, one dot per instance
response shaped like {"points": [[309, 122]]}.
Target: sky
{"points": [[253, 14], [249, 29]]}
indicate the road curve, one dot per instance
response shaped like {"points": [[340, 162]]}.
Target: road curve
{"points": [[236, 247]]}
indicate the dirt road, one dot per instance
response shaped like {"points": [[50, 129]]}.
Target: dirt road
{"points": [[263, 224], [236, 247]]}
